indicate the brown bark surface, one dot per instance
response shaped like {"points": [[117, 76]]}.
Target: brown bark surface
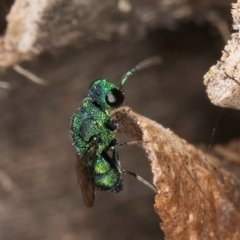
{"points": [[198, 195]]}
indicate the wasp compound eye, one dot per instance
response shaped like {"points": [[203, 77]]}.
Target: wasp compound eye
{"points": [[115, 98]]}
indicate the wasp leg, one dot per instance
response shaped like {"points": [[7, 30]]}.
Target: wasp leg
{"points": [[115, 143], [116, 162], [139, 178], [119, 145], [112, 125]]}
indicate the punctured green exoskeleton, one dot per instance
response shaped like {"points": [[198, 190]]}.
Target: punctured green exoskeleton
{"points": [[92, 130]]}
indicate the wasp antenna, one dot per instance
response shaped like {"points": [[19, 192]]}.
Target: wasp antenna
{"points": [[152, 61]]}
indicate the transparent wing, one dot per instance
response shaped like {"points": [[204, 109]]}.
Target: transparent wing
{"points": [[85, 175]]}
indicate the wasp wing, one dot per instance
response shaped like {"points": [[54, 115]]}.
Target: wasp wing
{"points": [[85, 175]]}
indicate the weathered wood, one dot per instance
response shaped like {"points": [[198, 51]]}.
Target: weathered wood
{"points": [[35, 26], [223, 79], [198, 195]]}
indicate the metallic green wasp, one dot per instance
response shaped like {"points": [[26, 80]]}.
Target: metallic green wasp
{"points": [[92, 130]]}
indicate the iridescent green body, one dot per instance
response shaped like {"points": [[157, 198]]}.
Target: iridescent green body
{"points": [[92, 133], [93, 121], [87, 122], [106, 176]]}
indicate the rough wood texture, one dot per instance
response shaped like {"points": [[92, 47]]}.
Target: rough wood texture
{"points": [[35, 26], [198, 195], [223, 79]]}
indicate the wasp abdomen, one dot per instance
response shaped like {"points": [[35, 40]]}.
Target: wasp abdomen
{"points": [[106, 177]]}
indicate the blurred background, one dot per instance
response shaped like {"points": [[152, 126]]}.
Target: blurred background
{"points": [[40, 197]]}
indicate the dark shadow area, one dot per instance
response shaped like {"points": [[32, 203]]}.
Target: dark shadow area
{"points": [[5, 6]]}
